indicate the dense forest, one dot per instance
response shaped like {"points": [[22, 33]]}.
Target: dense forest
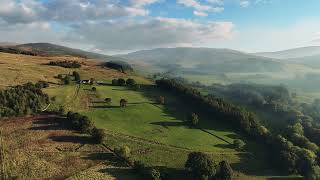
{"points": [[291, 151], [22, 100], [65, 64], [119, 65]]}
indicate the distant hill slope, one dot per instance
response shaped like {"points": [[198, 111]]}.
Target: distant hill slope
{"points": [[47, 49], [292, 53], [204, 60], [311, 61]]}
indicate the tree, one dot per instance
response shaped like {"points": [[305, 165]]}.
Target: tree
{"points": [[108, 100], [154, 174], [161, 100], [115, 82], [94, 89], [225, 171], [98, 135], [131, 82], [76, 76], [123, 151], [314, 174], [121, 82], [66, 80], [123, 103], [201, 165], [238, 143], [194, 119]]}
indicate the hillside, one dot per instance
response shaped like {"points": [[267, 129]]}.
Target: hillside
{"points": [[203, 60], [292, 53], [311, 61], [47, 49]]}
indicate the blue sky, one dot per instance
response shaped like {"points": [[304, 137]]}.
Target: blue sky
{"points": [[116, 26]]}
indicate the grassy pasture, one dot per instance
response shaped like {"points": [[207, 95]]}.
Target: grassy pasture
{"points": [[157, 134]]}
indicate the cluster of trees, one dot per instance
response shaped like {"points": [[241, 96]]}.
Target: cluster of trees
{"points": [[22, 100], [84, 125], [293, 158], [119, 65], [65, 64], [122, 82], [17, 51], [203, 167]]}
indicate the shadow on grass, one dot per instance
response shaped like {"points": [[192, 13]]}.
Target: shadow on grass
{"points": [[49, 123], [73, 139], [103, 107], [167, 124]]}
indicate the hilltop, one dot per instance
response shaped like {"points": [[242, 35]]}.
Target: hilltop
{"points": [[203, 60], [292, 53]]}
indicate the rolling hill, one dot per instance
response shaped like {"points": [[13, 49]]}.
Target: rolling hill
{"points": [[47, 49], [204, 60], [292, 53]]}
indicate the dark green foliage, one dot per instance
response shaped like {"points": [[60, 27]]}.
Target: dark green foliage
{"points": [[79, 122], [201, 165], [119, 65], [154, 174], [17, 51], [131, 82], [194, 119], [224, 171], [94, 89], [65, 64], [121, 82], [108, 100], [42, 84], [123, 152], [115, 82], [22, 100], [98, 135], [66, 80], [238, 144], [123, 103], [76, 76]]}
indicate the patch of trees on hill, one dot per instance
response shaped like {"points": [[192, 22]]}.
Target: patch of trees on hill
{"points": [[22, 100], [17, 51], [119, 65], [65, 64], [290, 157]]}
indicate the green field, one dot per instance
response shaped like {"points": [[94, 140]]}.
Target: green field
{"points": [[159, 135]]}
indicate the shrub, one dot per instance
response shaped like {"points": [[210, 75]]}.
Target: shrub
{"points": [[154, 174], [108, 100], [225, 171], [121, 82], [94, 89], [123, 151], [98, 135], [115, 82], [65, 64], [131, 82], [238, 144], [123, 103], [66, 80], [201, 165]]}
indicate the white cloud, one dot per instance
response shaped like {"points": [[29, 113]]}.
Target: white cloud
{"points": [[141, 3], [152, 33], [198, 13], [244, 3], [201, 9]]}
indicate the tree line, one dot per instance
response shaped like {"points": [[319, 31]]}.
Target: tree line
{"points": [[23, 100], [65, 64], [289, 157]]}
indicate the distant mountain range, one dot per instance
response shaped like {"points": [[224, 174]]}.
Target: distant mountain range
{"points": [[292, 53], [204, 60]]}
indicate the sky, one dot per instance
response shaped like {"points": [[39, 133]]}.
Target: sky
{"points": [[121, 26]]}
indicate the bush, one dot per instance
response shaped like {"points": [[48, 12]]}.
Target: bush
{"points": [[121, 82], [201, 165], [115, 82], [108, 100], [94, 89], [131, 82], [79, 122], [76, 76], [98, 135], [123, 103], [238, 144], [123, 152], [194, 119], [65, 64], [66, 80], [154, 174], [225, 171]]}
